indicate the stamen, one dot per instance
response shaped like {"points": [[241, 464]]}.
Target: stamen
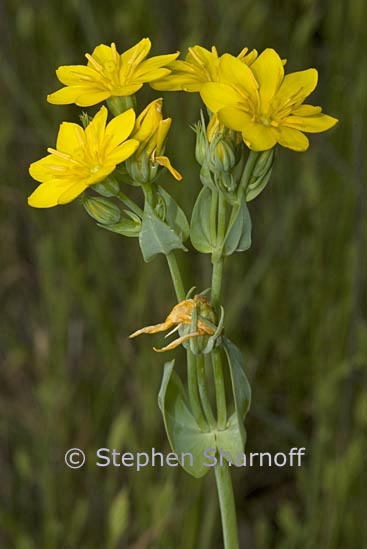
{"points": [[93, 62], [60, 154]]}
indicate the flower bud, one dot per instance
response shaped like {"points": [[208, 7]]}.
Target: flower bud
{"points": [[108, 187], [201, 144], [151, 130], [261, 174], [102, 210], [221, 156]]}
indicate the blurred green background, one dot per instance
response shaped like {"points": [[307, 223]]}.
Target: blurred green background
{"points": [[70, 293]]}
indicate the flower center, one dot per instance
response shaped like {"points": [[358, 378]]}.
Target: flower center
{"points": [[95, 169]]}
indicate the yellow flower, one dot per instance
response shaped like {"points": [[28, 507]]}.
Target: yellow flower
{"points": [[265, 105], [109, 74], [151, 131], [199, 67], [82, 158], [181, 315]]}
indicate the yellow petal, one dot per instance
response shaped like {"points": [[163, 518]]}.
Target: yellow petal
{"points": [[137, 53], [234, 118], [70, 137], [89, 98], [176, 342], [71, 75], [163, 130], [153, 329], [101, 54], [48, 167], [95, 130], [119, 128], [122, 152], [164, 161], [65, 96], [179, 82], [269, 73], [126, 90], [296, 86], [216, 96], [311, 124], [48, 194], [292, 139], [152, 75], [259, 137], [154, 63], [235, 73], [201, 56], [101, 174], [306, 110], [72, 193]]}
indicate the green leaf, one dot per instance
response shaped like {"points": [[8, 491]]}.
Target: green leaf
{"points": [[241, 391], [183, 432], [238, 238], [156, 237], [175, 216], [200, 223]]}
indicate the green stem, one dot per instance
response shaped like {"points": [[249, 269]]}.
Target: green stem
{"points": [[227, 505], [200, 369], [130, 204], [217, 283], [217, 258], [214, 215], [220, 392], [193, 391], [176, 276]]}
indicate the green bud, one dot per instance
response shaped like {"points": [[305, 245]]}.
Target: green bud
{"points": [[261, 174], [206, 177], [85, 119], [130, 226], [140, 169], [264, 163], [102, 210], [108, 187], [221, 157], [202, 144]]}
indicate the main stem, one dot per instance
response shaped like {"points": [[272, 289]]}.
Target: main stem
{"points": [[222, 472], [227, 505]]}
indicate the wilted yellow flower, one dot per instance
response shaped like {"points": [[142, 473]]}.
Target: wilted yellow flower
{"points": [[109, 74], [199, 67], [265, 105], [151, 131], [181, 315], [82, 158]]}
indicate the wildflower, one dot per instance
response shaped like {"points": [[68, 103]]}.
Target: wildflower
{"points": [[181, 316], [109, 74], [199, 67], [82, 158], [265, 105], [151, 131]]}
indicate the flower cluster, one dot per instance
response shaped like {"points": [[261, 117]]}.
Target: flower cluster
{"points": [[248, 95], [252, 95], [85, 156]]}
